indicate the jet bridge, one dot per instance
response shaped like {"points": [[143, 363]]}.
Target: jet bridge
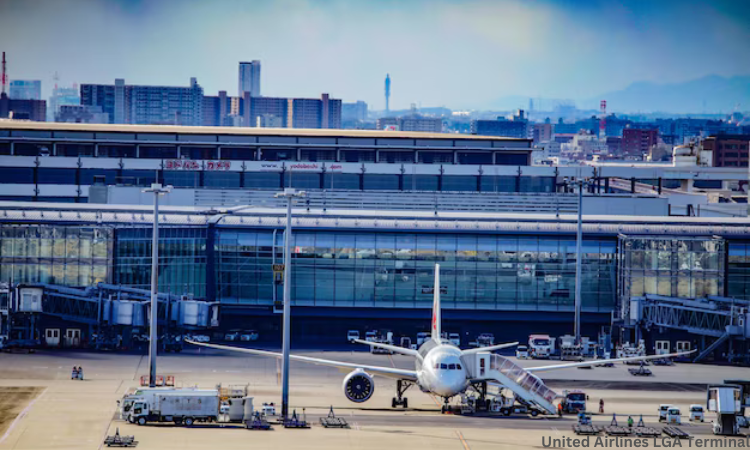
{"points": [[724, 319], [528, 388]]}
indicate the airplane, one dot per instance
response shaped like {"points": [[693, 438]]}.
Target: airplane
{"points": [[439, 365]]}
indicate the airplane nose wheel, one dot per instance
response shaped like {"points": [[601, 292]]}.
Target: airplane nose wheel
{"points": [[399, 399]]}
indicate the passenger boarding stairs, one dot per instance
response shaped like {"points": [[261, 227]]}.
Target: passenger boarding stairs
{"points": [[528, 388]]}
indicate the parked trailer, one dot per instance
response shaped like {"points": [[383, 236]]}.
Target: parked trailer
{"points": [[171, 405]]}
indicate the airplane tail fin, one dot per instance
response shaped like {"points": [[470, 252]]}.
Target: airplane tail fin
{"points": [[436, 306]]}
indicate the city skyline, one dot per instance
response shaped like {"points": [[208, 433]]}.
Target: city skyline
{"points": [[514, 48]]}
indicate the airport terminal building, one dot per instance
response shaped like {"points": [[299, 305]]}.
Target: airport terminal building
{"points": [[364, 243]]}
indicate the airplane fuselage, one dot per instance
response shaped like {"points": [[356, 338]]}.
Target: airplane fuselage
{"points": [[441, 371]]}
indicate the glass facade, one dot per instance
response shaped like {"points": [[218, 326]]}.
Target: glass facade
{"points": [[182, 259], [396, 270], [71, 256], [738, 270], [688, 267]]}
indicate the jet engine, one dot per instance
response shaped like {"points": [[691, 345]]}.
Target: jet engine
{"points": [[358, 386]]}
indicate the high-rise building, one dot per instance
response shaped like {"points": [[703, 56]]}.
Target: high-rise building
{"points": [[638, 142], [35, 110], [62, 96], [728, 150], [413, 122], [147, 105], [216, 109], [542, 132], [354, 111], [517, 127], [81, 114], [249, 79], [25, 90], [324, 112]]}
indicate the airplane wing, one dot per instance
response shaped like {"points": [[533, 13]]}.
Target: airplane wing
{"points": [[388, 372], [393, 348], [491, 348], [596, 362]]}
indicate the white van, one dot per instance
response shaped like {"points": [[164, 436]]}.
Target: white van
{"points": [[663, 412], [455, 338], [696, 413], [522, 352], [351, 335], [674, 416]]}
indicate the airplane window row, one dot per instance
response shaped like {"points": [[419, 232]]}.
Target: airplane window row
{"points": [[448, 366]]}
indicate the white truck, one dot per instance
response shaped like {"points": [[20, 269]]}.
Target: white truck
{"points": [[541, 346], [181, 406]]}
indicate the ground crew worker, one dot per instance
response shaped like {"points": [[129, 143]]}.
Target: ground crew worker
{"points": [[630, 421], [560, 409], [601, 406], [74, 373]]}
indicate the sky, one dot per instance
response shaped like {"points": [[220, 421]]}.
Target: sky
{"points": [[453, 53]]}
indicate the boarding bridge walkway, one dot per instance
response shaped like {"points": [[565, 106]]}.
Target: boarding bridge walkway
{"points": [[716, 317], [528, 388]]}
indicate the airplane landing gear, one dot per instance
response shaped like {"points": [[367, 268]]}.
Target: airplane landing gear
{"points": [[399, 399], [445, 408]]}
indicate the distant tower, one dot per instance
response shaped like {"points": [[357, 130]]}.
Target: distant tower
{"points": [[4, 77], [603, 119], [387, 90], [249, 79]]}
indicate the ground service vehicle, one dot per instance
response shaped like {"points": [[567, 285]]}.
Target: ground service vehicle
{"points": [[352, 335], [422, 337], [522, 352], [725, 401], [455, 338], [696, 413], [663, 412], [674, 416], [171, 405], [541, 346], [574, 401]]}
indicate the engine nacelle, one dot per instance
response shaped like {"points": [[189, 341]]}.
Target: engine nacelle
{"points": [[358, 386]]}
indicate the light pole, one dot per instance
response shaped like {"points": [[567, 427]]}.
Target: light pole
{"points": [[289, 194], [157, 190], [579, 256]]}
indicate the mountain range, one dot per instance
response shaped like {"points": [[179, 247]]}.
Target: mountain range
{"points": [[709, 94]]}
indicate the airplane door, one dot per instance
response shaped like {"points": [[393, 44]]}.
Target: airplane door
{"points": [[52, 337], [482, 365]]}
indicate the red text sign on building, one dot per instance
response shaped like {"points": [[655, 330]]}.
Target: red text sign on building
{"points": [[184, 164]]}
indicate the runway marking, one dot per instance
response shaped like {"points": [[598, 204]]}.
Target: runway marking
{"points": [[463, 441], [278, 372], [437, 403], [20, 416], [391, 358]]}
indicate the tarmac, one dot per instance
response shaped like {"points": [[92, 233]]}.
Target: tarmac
{"points": [[55, 412]]}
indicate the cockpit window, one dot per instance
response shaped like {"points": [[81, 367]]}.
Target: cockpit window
{"points": [[458, 366], [443, 366], [452, 366], [437, 365]]}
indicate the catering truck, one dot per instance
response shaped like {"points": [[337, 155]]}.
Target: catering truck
{"points": [[181, 406]]}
